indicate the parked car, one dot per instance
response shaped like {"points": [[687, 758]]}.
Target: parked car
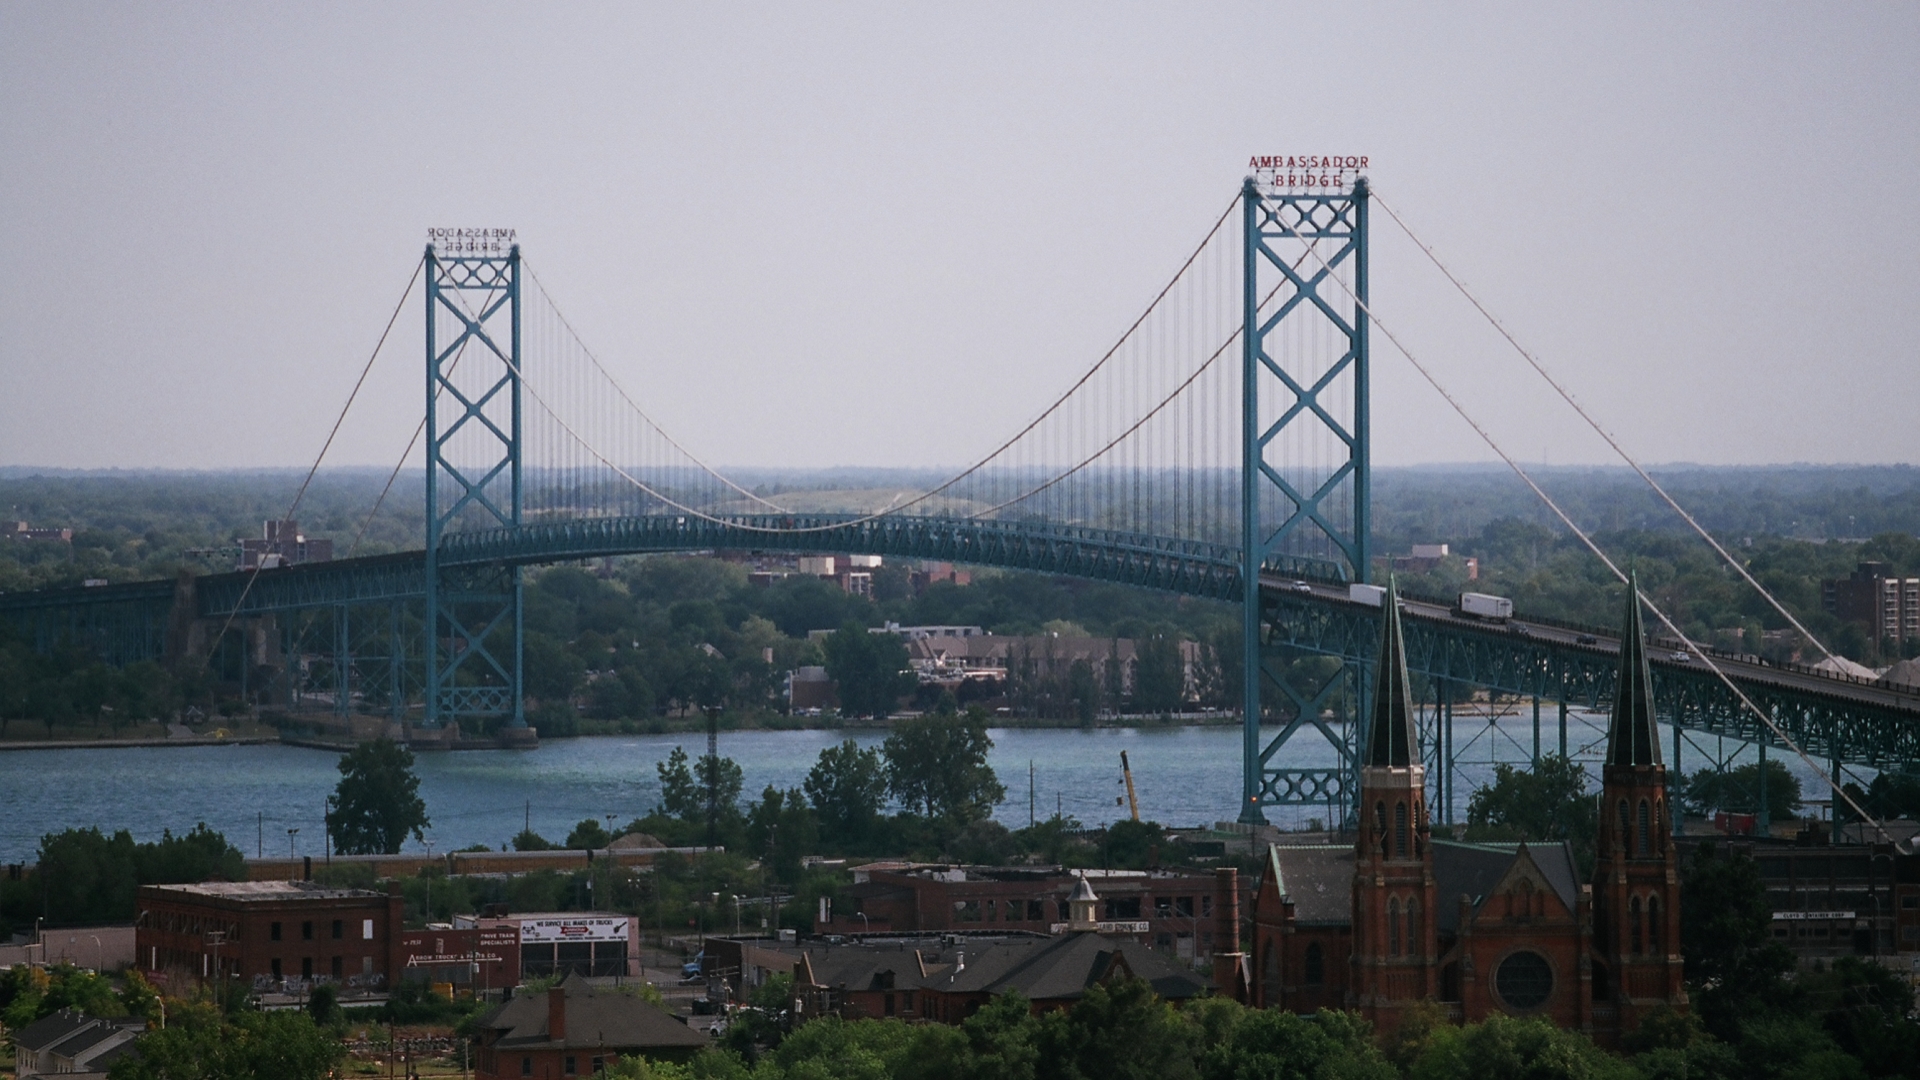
{"points": [[1586, 639], [691, 969]]}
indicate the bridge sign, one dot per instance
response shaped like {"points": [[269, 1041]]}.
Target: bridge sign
{"points": [[472, 241], [1319, 173]]}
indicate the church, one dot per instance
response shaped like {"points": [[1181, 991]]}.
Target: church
{"points": [[1401, 917]]}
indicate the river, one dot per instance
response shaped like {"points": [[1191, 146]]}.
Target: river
{"points": [[256, 794]]}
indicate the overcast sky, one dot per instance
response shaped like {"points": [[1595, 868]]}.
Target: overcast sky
{"points": [[830, 234]]}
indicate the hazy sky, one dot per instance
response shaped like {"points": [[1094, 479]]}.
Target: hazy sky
{"points": [[818, 234]]}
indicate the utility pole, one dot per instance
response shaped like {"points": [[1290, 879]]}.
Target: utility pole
{"points": [[1029, 793], [713, 777]]}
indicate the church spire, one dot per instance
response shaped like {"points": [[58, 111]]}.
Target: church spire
{"points": [[1632, 739], [1390, 736]]}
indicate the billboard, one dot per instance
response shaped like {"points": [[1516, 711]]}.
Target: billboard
{"points": [[564, 930]]}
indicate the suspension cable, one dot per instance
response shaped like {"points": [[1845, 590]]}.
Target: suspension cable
{"points": [[618, 389], [896, 506], [1785, 739], [1567, 396], [337, 421]]}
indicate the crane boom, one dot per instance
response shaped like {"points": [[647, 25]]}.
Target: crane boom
{"points": [[1133, 803]]}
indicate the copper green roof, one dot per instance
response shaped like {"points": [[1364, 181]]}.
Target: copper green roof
{"points": [[1390, 732], [1632, 738]]}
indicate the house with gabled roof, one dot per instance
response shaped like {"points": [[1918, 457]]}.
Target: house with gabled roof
{"points": [[72, 1045], [577, 1028]]}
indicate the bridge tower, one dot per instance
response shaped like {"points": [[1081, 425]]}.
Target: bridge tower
{"points": [[473, 615], [1305, 468]]}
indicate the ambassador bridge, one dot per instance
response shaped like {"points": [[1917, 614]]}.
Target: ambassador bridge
{"points": [[1219, 450]]}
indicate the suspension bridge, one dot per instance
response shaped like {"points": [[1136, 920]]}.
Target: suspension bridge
{"points": [[1220, 449]]}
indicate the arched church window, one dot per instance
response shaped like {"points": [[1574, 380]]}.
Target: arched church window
{"points": [[1633, 920], [1316, 965], [1626, 833], [1653, 926], [1646, 842], [1415, 943], [1399, 830], [1393, 928], [1380, 819]]}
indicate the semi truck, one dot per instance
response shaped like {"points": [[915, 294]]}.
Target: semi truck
{"points": [[1370, 595], [1484, 606]]}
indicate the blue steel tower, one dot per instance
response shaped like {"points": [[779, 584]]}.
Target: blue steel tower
{"points": [[473, 473], [1305, 480]]}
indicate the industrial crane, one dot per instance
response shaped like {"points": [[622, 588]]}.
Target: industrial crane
{"points": [[1133, 803]]}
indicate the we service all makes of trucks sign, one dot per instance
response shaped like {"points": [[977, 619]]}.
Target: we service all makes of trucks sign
{"points": [[564, 930]]}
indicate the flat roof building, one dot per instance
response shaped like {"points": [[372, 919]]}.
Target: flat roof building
{"points": [[271, 936]]}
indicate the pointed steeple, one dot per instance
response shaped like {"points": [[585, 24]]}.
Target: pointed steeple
{"points": [[1632, 738], [1390, 736]]}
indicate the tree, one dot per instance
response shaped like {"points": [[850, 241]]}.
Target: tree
{"points": [[27, 994], [1503, 1046], [377, 802], [1868, 1010], [1547, 803], [200, 854], [282, 1045], [87, 876], [528, 840], [781, 828], [937, 765], [1738, 791], [679, 796], [1726, 940], [1118, 1030], [589, 835], [1159, 675], [720, 781], [553, 672], [1891, 795], [1252, 1044], [847, 787], [1131, 845], [870, 670]]}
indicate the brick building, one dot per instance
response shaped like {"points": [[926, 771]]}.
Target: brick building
{"points": [[1399, 917], [576, 1029], [1171, 909], [270, 935], [946, 978], [1887, 607], [281, 543], [464, 959]]}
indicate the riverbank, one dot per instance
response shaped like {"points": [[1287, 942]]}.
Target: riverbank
{"points": [[122, 744]]}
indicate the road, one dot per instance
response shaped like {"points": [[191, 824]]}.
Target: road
{"points": [[1741, 669]]}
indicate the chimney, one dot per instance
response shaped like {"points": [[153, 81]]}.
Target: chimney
{"points": [[1226, 931], [556, 1014], [306, 868]]}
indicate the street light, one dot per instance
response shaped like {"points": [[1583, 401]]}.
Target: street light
{"points": [[290, 833], [99, 955]]}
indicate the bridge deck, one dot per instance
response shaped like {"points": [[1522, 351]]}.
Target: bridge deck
{"points": [[1837, 716]]}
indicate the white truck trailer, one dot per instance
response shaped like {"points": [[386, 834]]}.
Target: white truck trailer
{"points": [[1485, 606], [1370, 595]]}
